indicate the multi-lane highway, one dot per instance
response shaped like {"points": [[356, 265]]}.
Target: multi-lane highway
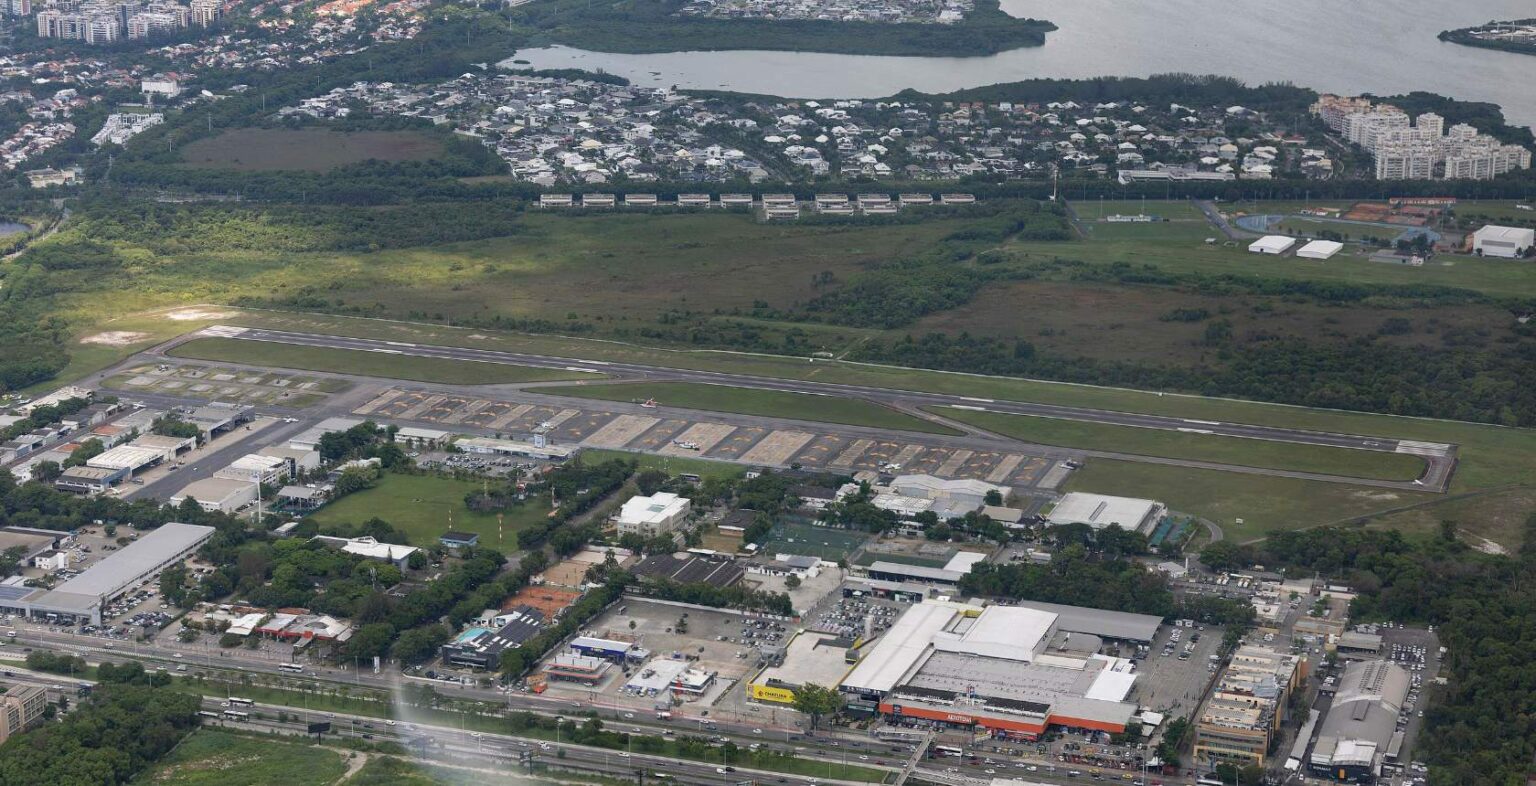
{"points": [[1440, 458]]}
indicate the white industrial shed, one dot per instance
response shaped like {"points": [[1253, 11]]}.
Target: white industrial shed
{"points": [[83, 596], [218, 495], [1272, 244], [1099, 511], [1320, 249], [1503, 242]]}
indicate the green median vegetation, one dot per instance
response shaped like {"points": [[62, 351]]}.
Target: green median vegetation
{"points": [[371, 364], [762, 403], [1163, 443], [218, 758]]}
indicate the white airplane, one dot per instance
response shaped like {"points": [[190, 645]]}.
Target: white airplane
{"points": [[649, 403]]}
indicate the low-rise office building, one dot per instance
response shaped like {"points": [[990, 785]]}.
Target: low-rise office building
{"points": [[1242, 716], [659, 514], [21, 708], [219, 495]]}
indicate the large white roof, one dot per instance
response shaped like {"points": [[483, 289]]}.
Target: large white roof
{"points": [[1100, 511], [1320, 249], [1272, 244], [1003, 632], [902, 647]]}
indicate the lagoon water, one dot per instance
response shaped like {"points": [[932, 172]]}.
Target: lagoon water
{"points": [[1346, 46]]}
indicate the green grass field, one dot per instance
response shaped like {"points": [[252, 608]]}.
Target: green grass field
{"points": [[1173, 210], [215, 758], [422, 506], [1263, 503], [764, 403], [673, 465], [307, 149], [1196, 447], [372, 364], [1181, 248], [812, 541]]}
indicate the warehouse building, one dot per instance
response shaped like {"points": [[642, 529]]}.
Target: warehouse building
{"points": [[82, 597], [1006, 671], [1320, 249], [1272, 244], [539, 448], [1239, 721], [1356, 733], [90, 480], [218, 495], [1503, 242], [310, 438], [1100, 510], [219, 417]]}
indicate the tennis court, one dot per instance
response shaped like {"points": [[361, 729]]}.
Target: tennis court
{"points": [[812, 541]]}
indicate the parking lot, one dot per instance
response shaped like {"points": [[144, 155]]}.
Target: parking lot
{"points": [[713, 641], [1168, 681], [846, 617]]}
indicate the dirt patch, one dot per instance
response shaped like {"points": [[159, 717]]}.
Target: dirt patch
{"points": [[115, 338], [1375, 496], [196, 314]]}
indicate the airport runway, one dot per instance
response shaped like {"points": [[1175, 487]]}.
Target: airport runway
{"points": [[1440, 458]]}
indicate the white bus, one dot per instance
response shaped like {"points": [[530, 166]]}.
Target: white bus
{"points": [[207, 714], [236, 701], [236, 715], [898, 734], [291, 668], [945, 750]]}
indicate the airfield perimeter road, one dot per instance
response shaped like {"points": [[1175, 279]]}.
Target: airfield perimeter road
{"points": [[1439, 458]]}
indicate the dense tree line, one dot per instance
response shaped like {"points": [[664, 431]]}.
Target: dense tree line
{"points": [[1492, 385], [1073, 578], [575, 487], [614, 26], [110, 738]]}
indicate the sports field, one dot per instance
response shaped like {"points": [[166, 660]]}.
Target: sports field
{"points": [[1196, 447], [372, 364], [306, 149], [210, 757], [813, 541], [764, 403], [426, 506]]}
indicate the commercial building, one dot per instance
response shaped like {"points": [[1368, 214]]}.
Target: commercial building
{"points": [[1358, 728], [21, 708], [571, 667], [539, 448], [1503, 242], [218, 418], [30, 542], [256, 468], [902, 573], [1272, 244], [302, 497], [607, 649], [1242, 716], [810, 659], [1320, 249], [299, 625], [129, 459], [298, 460], [82, 597], [659, 514], [1006, 671], [1099, 511], [310, 438], [459, 540], [90, 480], [414, 437], [370, 548], [481, 647], [1353, 644], [715, 570], [950, 498], [218, 495]]}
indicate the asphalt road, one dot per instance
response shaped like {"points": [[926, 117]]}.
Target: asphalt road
{"points": [[1440, 459]]}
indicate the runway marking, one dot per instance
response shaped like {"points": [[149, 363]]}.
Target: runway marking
{"points": [[1196, 431], [221, 331], [620, 431], [705, 435], [562, 416], [509, 416], [952, 463], [1004, 468], [968, 408], [426, 404], [467, 411], [908, 453], [776, 448], [378, 401], [1423, 448], [982, 400], [851, 453], [1203, 422]]}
